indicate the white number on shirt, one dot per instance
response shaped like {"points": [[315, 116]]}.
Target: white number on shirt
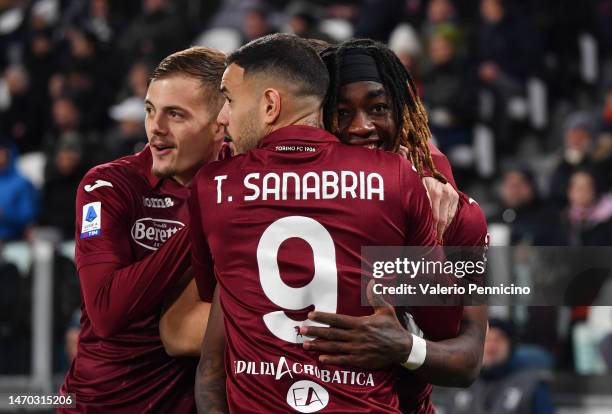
{"points": [[322, 291]]}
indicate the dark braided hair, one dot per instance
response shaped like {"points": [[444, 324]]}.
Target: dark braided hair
{"points": [[408, 110]]}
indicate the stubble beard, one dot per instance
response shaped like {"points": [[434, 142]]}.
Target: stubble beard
{"points": [[250, 135], [163, 171]]}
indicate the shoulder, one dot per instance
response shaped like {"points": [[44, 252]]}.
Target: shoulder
{"points": [[441, 163], [121, 176], [220, 167], [470, 225], [129, 166]]}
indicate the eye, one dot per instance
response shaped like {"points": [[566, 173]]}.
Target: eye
{"points": [[148, 110], [380, 108], [343, 113], [174, 114]]}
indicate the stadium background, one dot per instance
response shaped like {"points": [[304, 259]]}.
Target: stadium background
{"points": [[519, 95]]}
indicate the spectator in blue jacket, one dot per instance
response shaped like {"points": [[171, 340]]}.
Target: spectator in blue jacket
{"points": [[18, 198]]}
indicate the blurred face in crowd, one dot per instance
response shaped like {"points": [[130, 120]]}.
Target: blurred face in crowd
{"points": [[41, 44], [492, 11], [139, 79], [255, 25], [99, 8], [516, 190], [577, 144], [365, 115], [65, 114], [181, 128], [241, 114], [151, 6], [4, 158], [16, 80], [439, 11], [440, 50], [130, 128], [80, 45], [496, 347], [298, 25], [67, 161], [581, 192]]}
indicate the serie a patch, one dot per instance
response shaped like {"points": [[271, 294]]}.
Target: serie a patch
{"points": [[91, 225]]}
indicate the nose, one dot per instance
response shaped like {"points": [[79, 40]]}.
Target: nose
{"points": [[157, 125], [361, 125], [223, 116]]}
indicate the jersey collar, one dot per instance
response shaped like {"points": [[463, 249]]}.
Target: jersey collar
{"points": [[297, 134]]}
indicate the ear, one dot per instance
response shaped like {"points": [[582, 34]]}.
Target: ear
{"points": [[272, 105]]}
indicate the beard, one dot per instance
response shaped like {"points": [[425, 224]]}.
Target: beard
{"points": [[163, 169], [162, 172], [250, 132]]}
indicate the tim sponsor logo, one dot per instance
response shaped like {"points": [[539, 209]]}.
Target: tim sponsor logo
{"points": [[153, 202], [151, 233]]}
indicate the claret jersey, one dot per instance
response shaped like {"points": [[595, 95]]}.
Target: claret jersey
{"points": [[131, 247], [468, 228], [282, 228]]}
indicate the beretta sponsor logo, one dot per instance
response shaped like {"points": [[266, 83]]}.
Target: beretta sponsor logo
{"points": [[152, 233]]}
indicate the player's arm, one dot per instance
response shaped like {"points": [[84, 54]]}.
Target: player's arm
{"points": [[456, 362], [183, 323], [116, 290], [183, 320], [379, 341], [210, 393]]}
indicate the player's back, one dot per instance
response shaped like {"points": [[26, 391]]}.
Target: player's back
{"points": [[285, 224]]}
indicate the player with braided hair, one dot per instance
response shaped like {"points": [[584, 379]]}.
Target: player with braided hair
{"points": [[408, 111], [373, 102]]}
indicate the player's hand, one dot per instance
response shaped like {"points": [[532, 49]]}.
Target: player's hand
{"points": [[404, 152], [370, 342], [444, 202]]}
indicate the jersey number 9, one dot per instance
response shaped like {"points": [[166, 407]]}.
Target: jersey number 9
{"points": [[322, 291]]}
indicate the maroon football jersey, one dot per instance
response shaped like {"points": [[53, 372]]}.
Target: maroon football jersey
{"points": [[130, 248], [441, 163], [284, 225], [468, 228]]}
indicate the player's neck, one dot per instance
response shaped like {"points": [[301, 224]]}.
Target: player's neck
{"points": [[313, 120], [185, 178]]}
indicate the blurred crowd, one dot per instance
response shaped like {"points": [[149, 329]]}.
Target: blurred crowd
{"points": [[519, 95]]}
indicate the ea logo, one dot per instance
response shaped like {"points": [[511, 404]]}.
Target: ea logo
{"points": [[307, 397]]}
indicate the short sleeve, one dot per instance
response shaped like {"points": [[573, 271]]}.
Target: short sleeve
{"points": [[469, 227]]}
